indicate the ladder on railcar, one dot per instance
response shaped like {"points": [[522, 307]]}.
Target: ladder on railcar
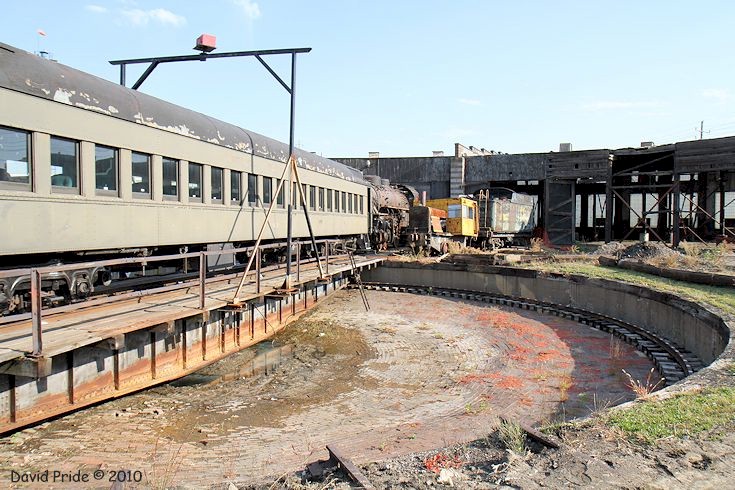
{"points": [[358, 279]]}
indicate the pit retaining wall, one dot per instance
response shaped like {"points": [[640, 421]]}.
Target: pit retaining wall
{"points": [[700, 329]]}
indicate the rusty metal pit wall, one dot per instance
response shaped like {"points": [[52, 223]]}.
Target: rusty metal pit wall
{"points": [[97, 372], [701, 330]]}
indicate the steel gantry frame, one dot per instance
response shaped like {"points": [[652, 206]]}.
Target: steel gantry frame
{"points": [[290, 164], [674, 196]]}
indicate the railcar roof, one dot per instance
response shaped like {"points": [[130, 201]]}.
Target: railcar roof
{"points": [[24, 72]]}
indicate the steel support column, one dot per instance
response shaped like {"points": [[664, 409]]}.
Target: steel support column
{"points": [[289, 231], [609, 208], [676, 237], [36, 305]]}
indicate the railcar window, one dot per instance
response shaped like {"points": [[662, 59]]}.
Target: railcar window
{"points": [[354, 203], [195, 182], [64, 165], [329, 200], [279, 198], [141, 175], [236, 187], [304, 194], [105, 170], [15, 167], [344, 202], [295, 196], [362, 208], [454, 211], [349, 202], [267, 190], [312, 197], [216, 175], [170, 179], [252, 189], [321, 199]]}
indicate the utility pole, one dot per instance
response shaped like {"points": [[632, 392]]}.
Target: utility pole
{"points": [[701, 129]]}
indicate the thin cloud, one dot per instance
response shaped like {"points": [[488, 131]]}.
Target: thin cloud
{"points": [[250, 9], [616, 105], [474, 102], [719, 94], [96, 9], [139, 17]]}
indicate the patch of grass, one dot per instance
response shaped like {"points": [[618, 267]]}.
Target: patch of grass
{"points": [[512, 437], [711, 255], [719, 297], [679, 416], [555, 427], [470, 409]]}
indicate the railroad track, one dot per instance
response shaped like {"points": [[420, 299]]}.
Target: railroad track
{"points": [[672, 361], [144, 286]]}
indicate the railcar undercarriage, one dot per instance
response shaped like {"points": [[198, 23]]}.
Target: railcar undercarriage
{"points": [[108, 274]]}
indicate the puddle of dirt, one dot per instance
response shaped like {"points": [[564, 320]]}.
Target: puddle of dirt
{"points": [[309, 365], [263, 358], [194, 379]]}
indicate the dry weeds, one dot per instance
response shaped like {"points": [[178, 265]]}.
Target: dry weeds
{"points": [[640, 388]]}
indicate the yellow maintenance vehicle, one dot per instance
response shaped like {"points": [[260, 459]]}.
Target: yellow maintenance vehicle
{"points": [[462, 218], [442, 221]]}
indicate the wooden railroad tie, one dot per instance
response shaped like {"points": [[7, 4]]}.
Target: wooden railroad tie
{"points": [[348, 467], [533, 433], [338, 459]]}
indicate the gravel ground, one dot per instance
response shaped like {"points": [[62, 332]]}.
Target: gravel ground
{"points": [[414, 374]]}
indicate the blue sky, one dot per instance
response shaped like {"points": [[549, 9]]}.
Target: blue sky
{"points": [[408, 77]]}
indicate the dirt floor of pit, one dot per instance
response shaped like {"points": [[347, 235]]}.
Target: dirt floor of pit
{"points": [[415, 373]]}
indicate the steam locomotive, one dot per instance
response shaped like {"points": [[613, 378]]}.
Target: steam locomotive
{"points": [[493, 218]]}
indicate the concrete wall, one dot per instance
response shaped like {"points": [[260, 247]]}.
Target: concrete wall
{"points": [[688, 324], [430, 174], [525, 166], [434, 174]]}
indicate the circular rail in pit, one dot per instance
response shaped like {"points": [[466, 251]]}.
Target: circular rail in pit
{"points": [[673, 362]]}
